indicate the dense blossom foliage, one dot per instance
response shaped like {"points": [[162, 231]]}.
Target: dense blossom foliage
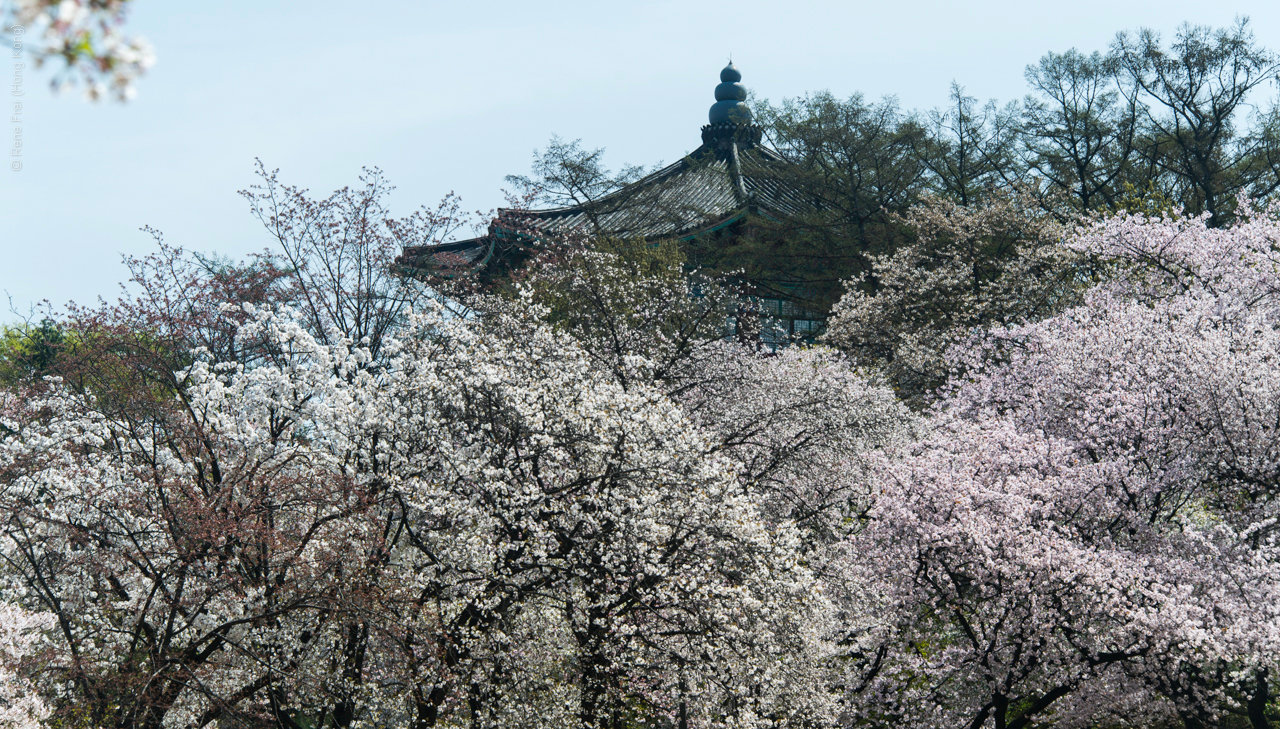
{"points": [[600, 503], [187, 551], [795, 422], [21, 706], [579, 503], [1094, 507], [311, 537], [797, 425], [995, 263]]}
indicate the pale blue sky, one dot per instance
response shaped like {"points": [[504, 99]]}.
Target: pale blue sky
{"points": [[455, 96]]}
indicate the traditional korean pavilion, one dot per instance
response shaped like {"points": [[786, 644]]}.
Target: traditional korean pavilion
{"points": [[710, 193]]}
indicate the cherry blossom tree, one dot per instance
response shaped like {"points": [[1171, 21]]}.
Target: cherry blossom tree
{"points": [[86, 36], [602, 504], [329, 537], [1093, 508], [192, 554], [798, 425], [339, 252], [995, 263]]}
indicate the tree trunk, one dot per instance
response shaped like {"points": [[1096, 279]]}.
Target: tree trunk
{"points": [[1002, 711], [1258, 701]]}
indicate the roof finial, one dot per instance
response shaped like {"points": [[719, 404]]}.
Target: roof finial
{"points": [[730, 94]]}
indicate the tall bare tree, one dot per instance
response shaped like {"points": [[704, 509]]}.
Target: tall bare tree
{"points": [[970, 149], [1078, 131], [1190, 98]]}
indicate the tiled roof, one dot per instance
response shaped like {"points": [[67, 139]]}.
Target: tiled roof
{"points": [[449, 258], [680, 200], [697, 194]]}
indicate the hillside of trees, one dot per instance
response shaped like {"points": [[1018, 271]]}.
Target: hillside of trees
{"points": [[1029, 477]]}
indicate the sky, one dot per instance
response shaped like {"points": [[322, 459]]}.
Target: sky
{"points": [[452, 97]]}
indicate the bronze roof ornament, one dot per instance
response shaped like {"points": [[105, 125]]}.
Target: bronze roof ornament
{"points": [[730, 95]]}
